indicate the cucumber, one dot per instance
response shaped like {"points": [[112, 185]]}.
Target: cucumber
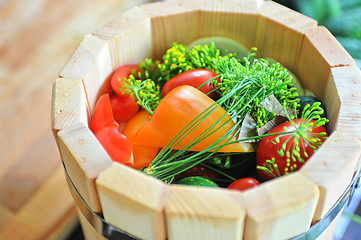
{"points": [[223, 44], [197, 181]]}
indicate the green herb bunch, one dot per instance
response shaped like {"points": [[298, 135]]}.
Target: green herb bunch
{"points": [[154, 74], [250, 83]]}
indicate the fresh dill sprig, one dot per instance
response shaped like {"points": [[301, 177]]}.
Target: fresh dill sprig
{"points": [[178, 59], [242, 88], [255, 80], [146, 92]]}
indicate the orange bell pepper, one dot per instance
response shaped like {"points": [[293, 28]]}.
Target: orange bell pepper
{"points": [[177, 109], [142, 155]]}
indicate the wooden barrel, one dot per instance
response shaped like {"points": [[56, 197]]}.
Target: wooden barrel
{"points": [[147, 208]]}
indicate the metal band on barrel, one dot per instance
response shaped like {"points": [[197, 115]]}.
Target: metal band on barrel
{"points": [[112, 233]]}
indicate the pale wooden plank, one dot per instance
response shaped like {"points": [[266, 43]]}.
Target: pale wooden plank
{"points": [[29, 171], [84, 159], [91, 62], [5, 216], [170, 20], [69, 104], [320, 52], [52, 200], [280, 32], [348, 83], [332, 168], [281, 208], [133, 201], [204, 213], [129, 37], [236, 20]]}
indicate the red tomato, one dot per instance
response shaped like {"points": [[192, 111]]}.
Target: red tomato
{"points": [[271, 164], [243, 184], [102, 115], [124, 107], [142, 155], [116, 144], [121, 73], [194, 78]]}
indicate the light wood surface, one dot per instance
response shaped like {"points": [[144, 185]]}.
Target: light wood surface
{"points": [[280, 209], [277, 209], [36, 39], [204, 213], [82, 164], [133, 202]]}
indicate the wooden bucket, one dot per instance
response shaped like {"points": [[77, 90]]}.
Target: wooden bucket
{"points": [[146, 208]]}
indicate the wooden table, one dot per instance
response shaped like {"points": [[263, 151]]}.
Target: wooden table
{"points": [[36, 39]]}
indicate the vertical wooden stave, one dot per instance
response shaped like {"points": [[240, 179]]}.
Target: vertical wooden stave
{"points": [[280, 33], [133, 202], [281, 208], [204, 213]]}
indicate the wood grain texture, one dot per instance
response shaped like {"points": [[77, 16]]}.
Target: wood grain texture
{"points": [[84, 159], [204, 213], [40, 215], [91, 63], [280, 209], [332, 169], [69, 104], [36, 39], [280, 32], [320, 52], [348, 82], [133, 202]]}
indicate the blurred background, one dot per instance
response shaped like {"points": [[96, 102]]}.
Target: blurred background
{"points": [[341, 17], [36, 39]]}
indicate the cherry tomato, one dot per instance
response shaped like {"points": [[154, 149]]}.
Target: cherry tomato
{"points": [[271, 164], [243, 184], [124, 107], [142, 155], [102, 115], [194, 78], [115, 144], [119, 74]]}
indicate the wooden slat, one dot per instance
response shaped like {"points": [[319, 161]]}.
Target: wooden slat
{"points": [[84, 159], [129, 37], [332, 167], [320, 52], [348, 83], [69, 104], [204, 213], [133, 201], [232, 19], [90, 62], [280, 32], [280, 209], [6, 216], [169, 23], [30, 223]]}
